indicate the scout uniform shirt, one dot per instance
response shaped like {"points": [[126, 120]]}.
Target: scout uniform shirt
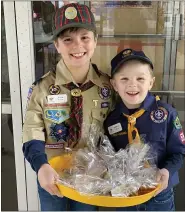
{"points": [[48, 111], [159, 126]]}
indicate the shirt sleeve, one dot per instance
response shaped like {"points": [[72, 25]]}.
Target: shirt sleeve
{"points": [[33, 130], [175, 144], [34, 152]]}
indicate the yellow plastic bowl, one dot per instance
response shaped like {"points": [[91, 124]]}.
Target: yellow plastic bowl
{"points": [[63, 162]]}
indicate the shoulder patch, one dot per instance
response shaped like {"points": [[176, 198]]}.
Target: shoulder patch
{"points": [[30, 92], [177, 123], [159, 115]]}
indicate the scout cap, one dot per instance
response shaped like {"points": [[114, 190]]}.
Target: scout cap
{"points": [[125, 55], [73, 15]]}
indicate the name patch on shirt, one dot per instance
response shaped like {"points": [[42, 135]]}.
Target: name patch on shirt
{"points": [[115, 128], [55, 99], [159, 115]]}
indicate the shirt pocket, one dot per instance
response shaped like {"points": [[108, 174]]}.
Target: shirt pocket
{"points": [[157, 142], [99, 114]]}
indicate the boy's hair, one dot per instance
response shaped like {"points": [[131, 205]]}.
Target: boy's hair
{"points": [[127, 55], [135, 61], [72, 29], [73, 15]]}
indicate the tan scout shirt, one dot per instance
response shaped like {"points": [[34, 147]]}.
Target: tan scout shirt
{"points": [[49, 108]]}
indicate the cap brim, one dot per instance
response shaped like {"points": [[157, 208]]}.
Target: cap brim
{"points": [[78, 25], [132, 57]]}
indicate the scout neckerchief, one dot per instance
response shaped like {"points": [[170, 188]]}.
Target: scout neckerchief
{"points": [[131, 124], [76, 114]]}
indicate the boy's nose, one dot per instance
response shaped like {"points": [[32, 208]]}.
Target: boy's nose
{"points": [[132, 83], [77, 42]]}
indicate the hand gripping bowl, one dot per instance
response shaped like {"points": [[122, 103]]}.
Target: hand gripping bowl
{"points": [[64, 162]]}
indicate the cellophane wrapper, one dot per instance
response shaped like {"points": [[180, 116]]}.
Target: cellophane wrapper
{"points": [[98, 169]]}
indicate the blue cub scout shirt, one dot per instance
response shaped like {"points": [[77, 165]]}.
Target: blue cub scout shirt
{"points": [[159, 126]]}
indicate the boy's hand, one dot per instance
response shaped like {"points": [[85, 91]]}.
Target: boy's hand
{"points": [[162, 179], [47, 177]]}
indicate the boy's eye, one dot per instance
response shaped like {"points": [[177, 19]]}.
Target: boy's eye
{"points": [[67, 39], [140, 78], [124, 78], [85, 37]]}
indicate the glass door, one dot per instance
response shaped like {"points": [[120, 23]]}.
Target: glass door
{"points": [[156, 27]]}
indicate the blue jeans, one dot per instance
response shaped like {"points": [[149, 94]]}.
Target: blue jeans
{"points": [[54, 203], [164, 201]]}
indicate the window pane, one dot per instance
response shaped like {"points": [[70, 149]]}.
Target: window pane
{"points": [[8, 175], [5, 85]]}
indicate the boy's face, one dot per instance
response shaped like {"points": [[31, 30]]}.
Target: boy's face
{"points": [[76, 48], [132, 82]]}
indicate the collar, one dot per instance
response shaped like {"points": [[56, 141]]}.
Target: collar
{"points": [[146, 105], [64, 76]]}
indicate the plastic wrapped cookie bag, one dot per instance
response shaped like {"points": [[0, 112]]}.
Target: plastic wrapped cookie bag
{"points": [[128, 188], [92, 185]]}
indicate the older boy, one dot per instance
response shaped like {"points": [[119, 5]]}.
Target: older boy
{"points": [[65, 102]]}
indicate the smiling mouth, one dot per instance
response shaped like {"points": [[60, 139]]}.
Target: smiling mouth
{"points": [[78, 55], [132, 93]]}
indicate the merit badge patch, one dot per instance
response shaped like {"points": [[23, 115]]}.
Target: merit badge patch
{"points": [[159, 116], [105, 92], [104, 104], [56, 115], [70, 13], [181, 135], [177, 123], [54, 89], [59, 132]]}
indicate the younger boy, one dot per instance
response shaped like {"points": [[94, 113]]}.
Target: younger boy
{"points": [[65, 102], [140, 114]]}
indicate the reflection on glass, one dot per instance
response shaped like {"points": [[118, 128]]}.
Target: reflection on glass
{"points": [[5, 92], [8, 175], [129, 17]]}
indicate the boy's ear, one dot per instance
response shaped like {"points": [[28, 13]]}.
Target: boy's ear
{"points": [[56, 45], [152, 83], [113, 83]]}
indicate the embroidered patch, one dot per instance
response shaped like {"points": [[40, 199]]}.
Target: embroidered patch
{"points": [[59, 132], [71, 13], [177, 123], [120, 133], [55, 146], [181, 135], [54, 89], [127, 53], [30, 92], [56, 115], [104, 104], [105, 92], [159, 116], [56, 105]]}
